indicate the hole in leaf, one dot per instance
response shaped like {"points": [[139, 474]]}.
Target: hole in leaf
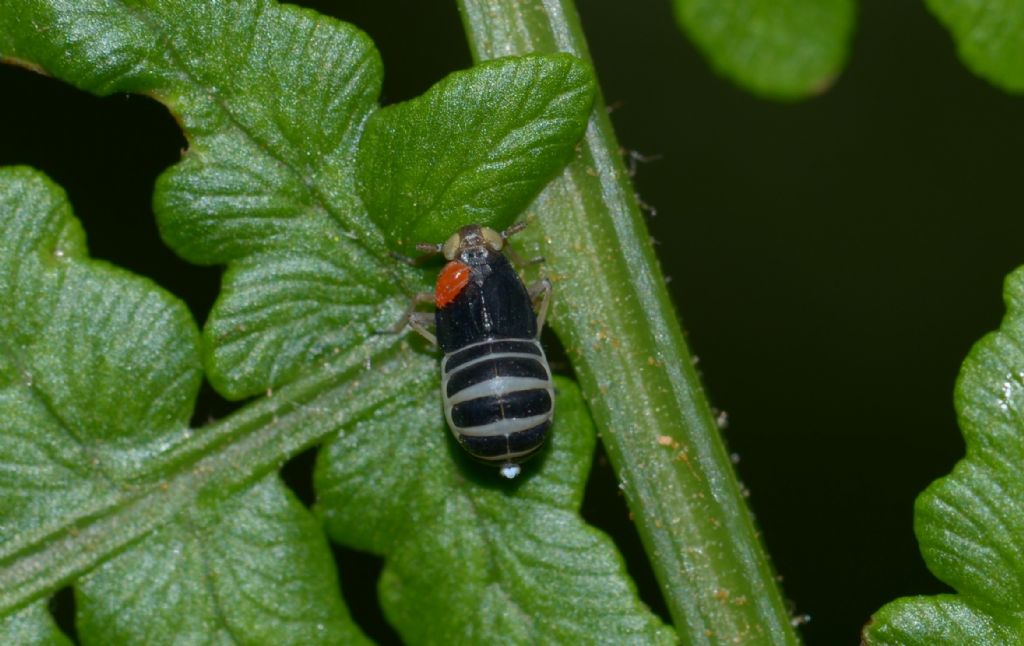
{"points": [[605, 508], [106, 153], [433, 29], [297, 474], [558, 361], [210, 406], [62, 607], [359, 573]]}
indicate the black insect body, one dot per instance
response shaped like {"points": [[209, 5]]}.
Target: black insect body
{"points": [[495, 380]]}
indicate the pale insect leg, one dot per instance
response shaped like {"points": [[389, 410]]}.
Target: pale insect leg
{"points": [[518, 260], [428, 248], [541, 288], [418, 321]]}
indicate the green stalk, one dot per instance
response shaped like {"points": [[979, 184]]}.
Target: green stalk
{"points": [[613, 314], [229, 454]]}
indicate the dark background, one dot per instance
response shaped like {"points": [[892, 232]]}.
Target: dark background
{"points": [[832, 261]]}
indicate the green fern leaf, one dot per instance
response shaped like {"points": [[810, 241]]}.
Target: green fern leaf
{"points": [[169, 533], [970, 524], [783, 49]]}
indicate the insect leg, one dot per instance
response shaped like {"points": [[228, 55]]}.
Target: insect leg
{"points": [[428, 248], [518, 260], [418, 321], [541, 288]]}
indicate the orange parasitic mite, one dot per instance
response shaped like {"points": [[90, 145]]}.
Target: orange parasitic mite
{"points": [[452, 279]]}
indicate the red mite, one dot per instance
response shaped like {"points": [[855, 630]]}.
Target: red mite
{"points": [[450, 282], [495, 380]]}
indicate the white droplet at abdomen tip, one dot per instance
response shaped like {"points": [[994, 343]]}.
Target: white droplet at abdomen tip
{"points": [[510, 470]]}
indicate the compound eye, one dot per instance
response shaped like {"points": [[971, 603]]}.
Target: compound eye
{"points": [[451, 246], [492, 238]]}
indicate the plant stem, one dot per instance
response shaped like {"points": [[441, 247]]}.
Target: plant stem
{"points": [[613, 313]]}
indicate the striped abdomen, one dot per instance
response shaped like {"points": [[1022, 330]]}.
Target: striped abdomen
{"points": [[498, 398]]}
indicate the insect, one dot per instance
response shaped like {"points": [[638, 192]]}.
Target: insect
{"points": [[495, 380]]}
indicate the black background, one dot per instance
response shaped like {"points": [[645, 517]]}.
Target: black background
{"points": [[832, 260]]}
